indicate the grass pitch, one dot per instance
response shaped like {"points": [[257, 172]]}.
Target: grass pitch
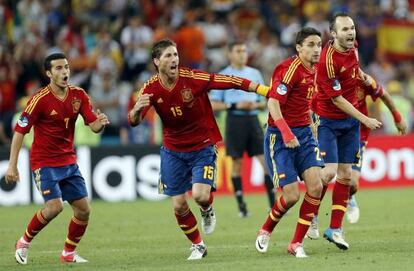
{"points": [[143, 235]]}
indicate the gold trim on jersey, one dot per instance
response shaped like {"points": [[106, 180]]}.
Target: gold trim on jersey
{"points": [[291, 70], [329, 63], [33, 102]]}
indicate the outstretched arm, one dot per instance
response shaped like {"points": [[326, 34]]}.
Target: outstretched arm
{"points": [[219, 81]]}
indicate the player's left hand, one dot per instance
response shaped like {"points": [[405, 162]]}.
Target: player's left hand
{"points": [[102, 118], [401, 127], [293, 143]]}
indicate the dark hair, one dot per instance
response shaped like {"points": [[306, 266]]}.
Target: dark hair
{"points": [[159, 47], [306, 32], [333, 19], [47, 63], [231, 45]]}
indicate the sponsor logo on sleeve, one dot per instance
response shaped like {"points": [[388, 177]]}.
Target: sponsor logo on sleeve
{"points": [[281, 89], [336, 85], [23, 121]]}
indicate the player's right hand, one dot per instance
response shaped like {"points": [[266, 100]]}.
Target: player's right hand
{"points": [[372, 123], [293, 143], [12, 175], [143, 101]]}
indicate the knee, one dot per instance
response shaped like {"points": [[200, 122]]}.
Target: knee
{"points": [[345, 173], [315, 190], [201, 198], [83, 213], [51, 211], [328, 175], [180, 207], [236, 169], [291, 199]]}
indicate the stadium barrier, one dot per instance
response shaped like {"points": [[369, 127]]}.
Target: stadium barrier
{"points": [[127, 173]]}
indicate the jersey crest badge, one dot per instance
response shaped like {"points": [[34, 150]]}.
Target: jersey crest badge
{"points": [[22, 121], [281, 89], [187, 95], [336, 85], [76, 104]]}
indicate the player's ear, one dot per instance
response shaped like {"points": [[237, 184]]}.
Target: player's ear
{"points": [[49, 74], [298, 47], [156, 61]]}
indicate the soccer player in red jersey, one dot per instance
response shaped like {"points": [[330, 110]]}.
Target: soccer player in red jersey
{"points": [[374, 90], [338, 131], [291, 151], [190, 132], [52, 112]]}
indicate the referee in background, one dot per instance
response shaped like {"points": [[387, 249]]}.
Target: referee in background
{"points": [[243, 130]]}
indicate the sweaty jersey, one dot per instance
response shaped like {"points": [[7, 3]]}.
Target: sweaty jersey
{"points": [[375, 91], [185, 109], [53, 120], [293, 85], [337, 74]]}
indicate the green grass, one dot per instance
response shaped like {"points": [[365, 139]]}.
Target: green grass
{"points": [[143, 235]]}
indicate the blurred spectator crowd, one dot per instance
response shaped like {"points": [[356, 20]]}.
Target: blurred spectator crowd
{"points": [[108, 46]]}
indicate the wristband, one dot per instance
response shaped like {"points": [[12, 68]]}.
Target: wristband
{"points": [[396, 115], [287, 134], [262, 90]]}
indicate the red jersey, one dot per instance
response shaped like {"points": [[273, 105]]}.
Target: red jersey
{"points": [[293, 85], [185, 109], [53, 120], [375, 91], [337, 74]]}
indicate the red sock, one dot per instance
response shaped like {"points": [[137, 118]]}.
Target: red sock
{"points": [[324, 188], [309, 207], [340, 196], [76, 230], [209, 202], [37, 223], [188, 224], [277, 212]]}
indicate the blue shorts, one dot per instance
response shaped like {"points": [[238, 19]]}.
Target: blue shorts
{"points": [[179, 170], [362, 147], [285, 165], [64, 182], [339, 140]]}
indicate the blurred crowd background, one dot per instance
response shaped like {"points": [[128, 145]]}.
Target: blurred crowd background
{"points": [[108, 46]]}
